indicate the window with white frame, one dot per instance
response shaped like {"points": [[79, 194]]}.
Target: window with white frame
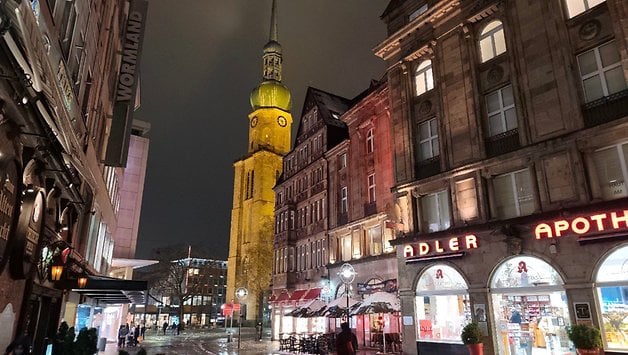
{"points": [[343, 200], [601, 72], [435, 212], [514, 194], [345, 247], [375, 240], [370, 140], [492, 41], [371, 187], [576, 7], [501, 113], [423, 78], [611, 167], [428, 140]]}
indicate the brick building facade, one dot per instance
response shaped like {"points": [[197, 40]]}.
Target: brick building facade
{"points": [[510, 149]]}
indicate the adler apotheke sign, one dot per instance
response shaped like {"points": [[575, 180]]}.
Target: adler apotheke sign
{"points": [[440, 248], [584, 225]]}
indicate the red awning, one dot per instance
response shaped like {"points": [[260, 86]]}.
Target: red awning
{"points": [[272, 298], [296, 295], [283, 297], [313, 293]]}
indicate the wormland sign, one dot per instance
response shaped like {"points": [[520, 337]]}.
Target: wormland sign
{"points": [[126, 86]]}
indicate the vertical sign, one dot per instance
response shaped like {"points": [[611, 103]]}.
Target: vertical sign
{"points": [[126, 85], [25, 253]]}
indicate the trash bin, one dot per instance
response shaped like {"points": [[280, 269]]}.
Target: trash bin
{"points": [[102, 343], [228, 337]]}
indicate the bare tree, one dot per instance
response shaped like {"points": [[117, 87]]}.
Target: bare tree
{"points": [[257, 268]]}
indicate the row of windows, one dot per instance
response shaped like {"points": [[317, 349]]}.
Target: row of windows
{"points": [[302, 155], [306, 256], [370, 189], [372, 241], [309, 214], [601, 75], [514, 193]]}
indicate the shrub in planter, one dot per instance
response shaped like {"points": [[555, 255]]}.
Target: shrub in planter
{"points": [[472, 337], [586, 339]]}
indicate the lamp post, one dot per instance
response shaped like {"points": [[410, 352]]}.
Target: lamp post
{"points": [[241, 294], [347, 275]]}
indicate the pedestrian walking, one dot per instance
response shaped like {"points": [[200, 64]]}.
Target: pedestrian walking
{"points": [[346, 341], [174, 328], [179, 326], [165, 327], [122, 332], [143, 330]]}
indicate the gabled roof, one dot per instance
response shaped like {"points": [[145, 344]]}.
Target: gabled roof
{"points": [[393, 4], [327, 104]]}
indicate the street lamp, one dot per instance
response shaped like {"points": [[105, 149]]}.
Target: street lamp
{"points": [[347, 275], [241, 294]]}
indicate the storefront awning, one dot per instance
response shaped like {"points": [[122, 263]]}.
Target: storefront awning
{"points": [[282, 297], [312, 293], [297, 295], [109, 290]]}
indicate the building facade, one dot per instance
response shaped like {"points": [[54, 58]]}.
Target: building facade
{"points": [[252, 217], [301, 211], [60, 63], [362, 213], [509, 148]]}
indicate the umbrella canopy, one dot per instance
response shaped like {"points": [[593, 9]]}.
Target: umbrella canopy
{"points": [[338, 307], [379, 302], [308, 309]]}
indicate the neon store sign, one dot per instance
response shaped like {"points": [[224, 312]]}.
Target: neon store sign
{"points": [[442, 247], [583, 225]]}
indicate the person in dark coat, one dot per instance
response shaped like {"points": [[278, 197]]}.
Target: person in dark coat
{"points": [[122, 332], [346, 341], [165, 327]]}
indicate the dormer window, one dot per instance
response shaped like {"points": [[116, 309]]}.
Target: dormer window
{"points": [[492, 41], [418, 12]]}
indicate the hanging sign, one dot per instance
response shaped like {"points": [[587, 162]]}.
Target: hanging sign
{"points": [[25, 253], [8, 207], [584, 225]]}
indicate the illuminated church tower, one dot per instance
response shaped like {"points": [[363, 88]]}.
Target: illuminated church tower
{"points": [[252, 216]]}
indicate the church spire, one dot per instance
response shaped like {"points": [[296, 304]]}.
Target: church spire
{"points": [[272, 50], [273, 23]]}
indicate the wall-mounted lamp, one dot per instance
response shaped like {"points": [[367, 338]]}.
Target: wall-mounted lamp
{"points": [[82, 281], [55, 271]]}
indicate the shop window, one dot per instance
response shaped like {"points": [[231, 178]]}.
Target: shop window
{"points": [[513, 194], [428, 140], [435, 212], [530, 308], [612, 292], [346, 247], [375, 240], [611, 167], [423, 78], [500, 111], [492, 41], [576, 7], [442, 305], [601, 72]]}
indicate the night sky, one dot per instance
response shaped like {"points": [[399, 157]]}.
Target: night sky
{"points": [[201, 59]]}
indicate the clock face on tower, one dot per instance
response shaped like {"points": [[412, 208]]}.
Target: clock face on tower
{"points": [[254, 121], [282, 121]]}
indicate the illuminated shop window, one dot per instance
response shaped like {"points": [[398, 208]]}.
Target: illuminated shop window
{"points": [[612, 291], [492, 41], [601, 71], [575, 7], [611, 165], [442, 305]]}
